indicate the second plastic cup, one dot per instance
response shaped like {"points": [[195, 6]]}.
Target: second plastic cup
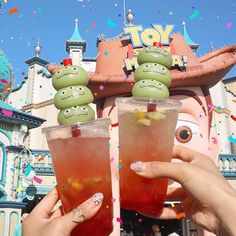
{"points": [[146, 133], [81, 161]]}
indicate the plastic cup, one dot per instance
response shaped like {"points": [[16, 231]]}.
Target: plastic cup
{"points": [[146, 133], [80, 155]]}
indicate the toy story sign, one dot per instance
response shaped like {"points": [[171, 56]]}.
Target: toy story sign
{"points": [[146, 37]]}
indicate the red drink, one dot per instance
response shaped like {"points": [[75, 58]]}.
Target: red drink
{"points": [[144, 136], [82, 168]]}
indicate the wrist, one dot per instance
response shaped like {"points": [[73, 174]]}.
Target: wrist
{"points": [[226, 214]]}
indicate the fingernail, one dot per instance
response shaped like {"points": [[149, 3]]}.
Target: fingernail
{"points": [[137, 166], [97, 198]]}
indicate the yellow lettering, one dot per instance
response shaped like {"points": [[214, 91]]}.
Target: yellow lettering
{"points": [[131, 63], [149, 36], [177, 61], [165, 34], [133, 31]]}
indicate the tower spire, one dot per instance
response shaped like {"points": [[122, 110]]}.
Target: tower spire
{"points": [[76, 35], [76, 46], [192, 45]]}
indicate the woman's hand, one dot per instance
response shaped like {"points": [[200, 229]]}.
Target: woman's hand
{"points": [[207, 198], [42, 221]]}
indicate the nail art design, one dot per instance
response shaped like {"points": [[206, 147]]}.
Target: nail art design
{"points": [[137, 166], [97, 198]]}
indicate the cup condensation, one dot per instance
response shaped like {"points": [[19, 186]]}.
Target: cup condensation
{"points": [[80, 155], [146, 133]]}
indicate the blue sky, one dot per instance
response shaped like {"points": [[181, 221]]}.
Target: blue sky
{"points": [[53, 22]]}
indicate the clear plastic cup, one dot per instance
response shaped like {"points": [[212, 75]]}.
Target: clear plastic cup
{"points": [[146, 133], [80, 155]]}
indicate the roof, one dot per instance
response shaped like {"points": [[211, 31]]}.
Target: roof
{"points": [[186, 36], [203, 71], [10, 115], [76, 35], [5, 105]]}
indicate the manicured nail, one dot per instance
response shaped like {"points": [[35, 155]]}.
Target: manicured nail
{"points": [[137, 166], [97, 198]]}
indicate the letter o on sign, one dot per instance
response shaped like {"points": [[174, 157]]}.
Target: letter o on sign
{"points": [[149, 36]]}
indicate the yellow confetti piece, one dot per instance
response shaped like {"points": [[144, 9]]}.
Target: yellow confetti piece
{"points": [[19, 189]]}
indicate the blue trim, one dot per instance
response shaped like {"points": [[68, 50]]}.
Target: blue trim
{"points": [[3, 174], [17, 205], [8, 134]]}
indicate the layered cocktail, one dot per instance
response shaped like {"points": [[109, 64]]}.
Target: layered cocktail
{"points": [[80, 155], [144, 136]]}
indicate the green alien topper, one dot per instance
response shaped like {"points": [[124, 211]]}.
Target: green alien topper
{"points": [[152, 76], [72, 97], [75, 114]]}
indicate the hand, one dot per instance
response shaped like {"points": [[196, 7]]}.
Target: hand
{"points": [[42, 221], [206, 196]]}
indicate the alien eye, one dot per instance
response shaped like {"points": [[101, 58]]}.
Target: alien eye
{"points": [[70, 87], [67, 111], [143, 81], [58, 72], [183, 134], [163, 68], [155, 64], [160, 84], [81, 89], [63, 92], [147, 66], [66, 67], [84, 109], [74, 68], [74, 107]]}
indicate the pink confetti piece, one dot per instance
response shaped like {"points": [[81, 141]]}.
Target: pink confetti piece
{"points": [[119, 220], [7, 113], [101, 87], [37, 180], [229, 25], [93, 24], [112, 159], [4, 81], [140, 220], [113, 200]]}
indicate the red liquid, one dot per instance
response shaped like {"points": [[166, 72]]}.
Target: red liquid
{"points": [[82, 168], [144, 143]]}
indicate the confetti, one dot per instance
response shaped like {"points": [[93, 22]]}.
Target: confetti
{"points": [[140, 220], [19, 189], [106, 53], [13, 11], [111, 23], [181, 215], [7, 113], [39, 10], [232, 139], [115, 124], [233, 117], [119, 166], [170, 13], [4, 81], [112, 159], [113, 200], [118, 219], [195, 14], [101, 87], [229, 25], [214, 140], [93, 24]]}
